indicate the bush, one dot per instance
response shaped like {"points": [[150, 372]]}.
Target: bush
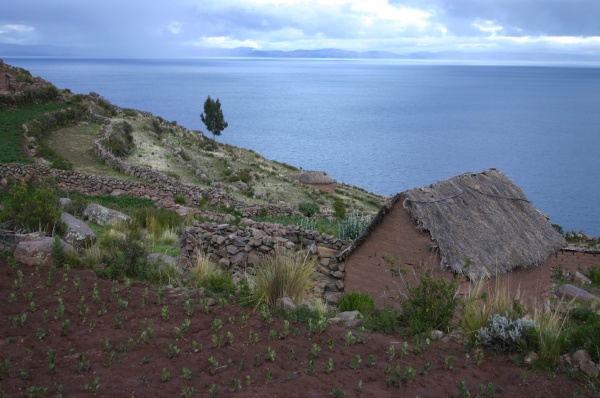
{"points": [[386, 321], [505, 334], [283, 274], [32, 209], [339, 208], [356, 301], [584, 332], [124, 256], [309, 209], [120, 142], [61, 163], [430, 305]]}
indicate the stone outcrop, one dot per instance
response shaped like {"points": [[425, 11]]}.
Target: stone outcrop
{"points": [[238, 248], [574, 292], [37, 251], [103, 215], [78, 233]]}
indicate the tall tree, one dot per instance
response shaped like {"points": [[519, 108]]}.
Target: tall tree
{"points": [[213, 117]]}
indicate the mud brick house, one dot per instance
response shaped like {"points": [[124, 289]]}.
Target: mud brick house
{"points": [[471, 226]]}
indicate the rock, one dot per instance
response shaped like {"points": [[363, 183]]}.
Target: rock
{"points": [[103, 215], [348, 319], [118, 192], [332, 298], [580, 356], [589, 369], [573, 292], [530, 357], [285, 303], [183, 210], [78, 233], [580, 278], [38, 252], [161, 258], [327, 252], [64, 202], [436, 335]]}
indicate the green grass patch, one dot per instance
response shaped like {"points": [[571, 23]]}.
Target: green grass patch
{"points": [[11, 133]]}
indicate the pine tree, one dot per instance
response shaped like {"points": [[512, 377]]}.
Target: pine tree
{"points": [[213, 117]]}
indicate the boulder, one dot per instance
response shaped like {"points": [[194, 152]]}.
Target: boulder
{"points": [[63, 203], [103, 215], [78, 233], [348, 319], [573, 292], [161, 258], [285, 303], [38, 252]]}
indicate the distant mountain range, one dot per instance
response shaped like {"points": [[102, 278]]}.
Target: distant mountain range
{"points": [[15, 50]]}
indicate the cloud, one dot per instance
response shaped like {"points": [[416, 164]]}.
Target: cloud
{"points": [[168, 27]]}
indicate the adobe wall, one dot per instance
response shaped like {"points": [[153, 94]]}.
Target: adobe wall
{"points": [[241, 248]]}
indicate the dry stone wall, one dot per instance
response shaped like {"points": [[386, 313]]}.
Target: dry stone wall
{"points": [[240, 248]]}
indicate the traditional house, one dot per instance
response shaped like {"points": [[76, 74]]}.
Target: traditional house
{"points": [[4, 83], [472, 226], [318, 179]]}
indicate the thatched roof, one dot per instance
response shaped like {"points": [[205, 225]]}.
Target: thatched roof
{"points": [[482, 220], [315, 177]]}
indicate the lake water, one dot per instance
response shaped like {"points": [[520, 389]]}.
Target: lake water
{"points": [[385, 126]]}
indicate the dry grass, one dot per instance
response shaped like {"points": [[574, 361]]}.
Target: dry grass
{"points": [[204, 268], [284, 274], [480, 305]]}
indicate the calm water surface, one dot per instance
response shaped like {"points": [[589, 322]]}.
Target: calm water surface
{"points": [[385, 126]]}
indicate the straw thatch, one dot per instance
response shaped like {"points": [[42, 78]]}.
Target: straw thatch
{"points": [[481, 223], [315, 177]]}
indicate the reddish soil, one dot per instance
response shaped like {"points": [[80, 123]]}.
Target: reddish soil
{"points": [[137, 366]]}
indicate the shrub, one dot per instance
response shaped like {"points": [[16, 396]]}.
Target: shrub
{"points": [[584, 332], [309, 209], [430, 305], [120, 142], [283, 274], [125, 256], [505, 334], [32, 209], [356, 301], [386, 321], [61, 163], [339, 208]]}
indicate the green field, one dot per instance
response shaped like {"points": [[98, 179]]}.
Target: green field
{"points": [[11, 134]]}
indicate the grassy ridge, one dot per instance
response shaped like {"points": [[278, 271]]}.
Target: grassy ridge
{"points": [[11, 134]]}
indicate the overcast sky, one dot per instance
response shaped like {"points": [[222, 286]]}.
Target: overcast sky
{"points": [[163, 28]]}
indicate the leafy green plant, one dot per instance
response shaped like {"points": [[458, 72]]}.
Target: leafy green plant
{"points": [[430, 305], [31, 209], [357, 301], [309, 209]]}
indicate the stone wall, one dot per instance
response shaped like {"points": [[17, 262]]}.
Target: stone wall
{"points": [[240, 248]]}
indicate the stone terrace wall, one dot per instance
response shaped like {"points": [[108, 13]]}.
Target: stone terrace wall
{"points": [[238, 248]]}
